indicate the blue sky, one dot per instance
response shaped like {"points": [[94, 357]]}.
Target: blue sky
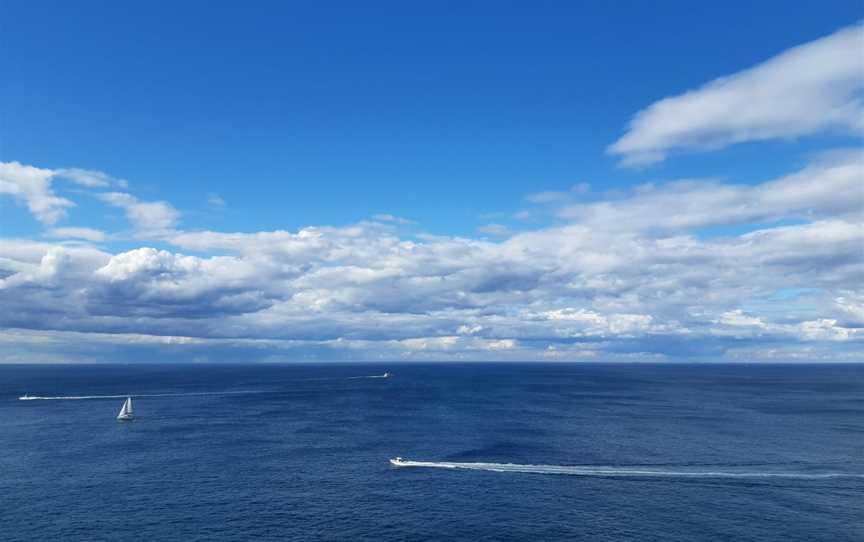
{"points": [[467, 181]]}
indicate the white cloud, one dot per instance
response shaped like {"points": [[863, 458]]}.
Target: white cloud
{"points": [[827, 329], [556, 196], [829, 187], [147, 216], [812, 88], [549, 196], [495, 230], [88, 234], [35, 266], [215, 201], [32, 186], [589, 322], [52, 263], [384, 217], [852, 308], [738, 318], [821, 329], [89, 178], [469, 330]]}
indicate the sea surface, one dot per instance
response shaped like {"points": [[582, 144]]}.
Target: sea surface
{"points": [[503, 452]]}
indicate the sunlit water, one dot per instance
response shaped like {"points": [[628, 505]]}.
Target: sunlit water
{"points": [[492, 452]]}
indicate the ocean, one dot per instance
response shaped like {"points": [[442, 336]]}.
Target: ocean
{"points": [[515, 452]]}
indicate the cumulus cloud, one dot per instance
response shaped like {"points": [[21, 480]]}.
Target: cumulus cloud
{"points": [[588, 322], [820, 329], [32, 186], [158, 283], [361, 292], [812, 88], [147, 216], [737, 318]]}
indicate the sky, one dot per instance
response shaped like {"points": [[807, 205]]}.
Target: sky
{"points": [[390, 181]]}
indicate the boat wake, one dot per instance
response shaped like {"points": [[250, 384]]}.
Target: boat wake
{"points": [[187, 394], [125, 395], [385, 375], [630, 471]]}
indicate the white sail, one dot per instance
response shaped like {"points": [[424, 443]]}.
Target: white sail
{"points": [[126, 410]]}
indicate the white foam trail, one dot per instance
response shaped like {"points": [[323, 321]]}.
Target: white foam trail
{"points": [[385, 375], [125, 395], [189, 394], [585, 470]]}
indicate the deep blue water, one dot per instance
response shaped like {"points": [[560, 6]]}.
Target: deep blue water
{"points": [[306, 456]]}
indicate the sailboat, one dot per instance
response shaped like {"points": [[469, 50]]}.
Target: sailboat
{"points": [[126, 410]]}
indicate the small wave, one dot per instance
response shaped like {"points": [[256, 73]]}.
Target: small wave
{"points": [[631, 471]]}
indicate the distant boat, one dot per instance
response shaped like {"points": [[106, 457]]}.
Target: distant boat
{"points": [[386, 375], [397, 462], [26, 397], [126, 410]]}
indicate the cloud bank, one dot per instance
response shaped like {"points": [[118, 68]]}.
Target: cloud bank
{"points": [[623, 279]]}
